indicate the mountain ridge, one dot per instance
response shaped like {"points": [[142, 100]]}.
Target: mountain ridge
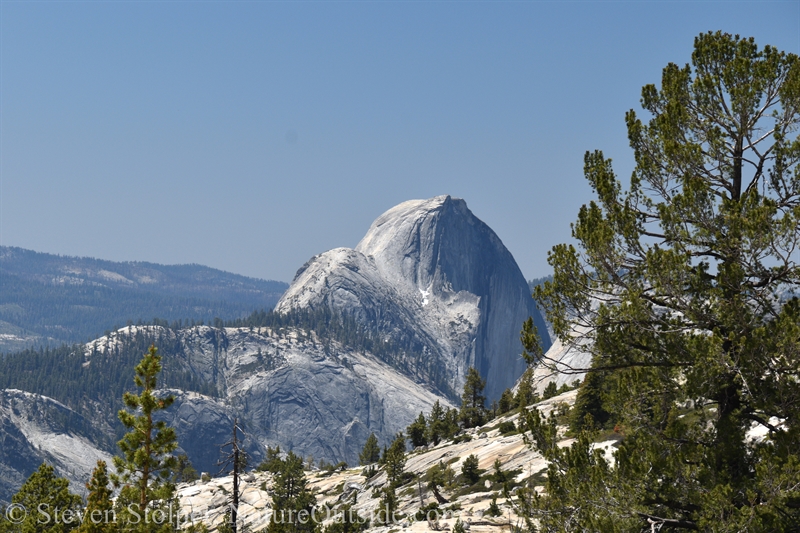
{"points": [[52, 299]]}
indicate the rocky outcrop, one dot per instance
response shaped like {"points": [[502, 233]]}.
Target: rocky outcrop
{"points": [[431, 273], [286, 388], [36, 429], [492, 444], [563, 363]]}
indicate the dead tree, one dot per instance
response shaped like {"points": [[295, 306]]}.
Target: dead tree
{"points": [[234, 461]]}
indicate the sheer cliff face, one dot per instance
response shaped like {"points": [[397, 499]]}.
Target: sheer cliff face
{"points": [[431, 270]]}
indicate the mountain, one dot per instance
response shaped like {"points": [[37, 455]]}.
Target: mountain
{"points": [[430, 274], [52, 299], [363, 341], [287, 386], [35, 429]]}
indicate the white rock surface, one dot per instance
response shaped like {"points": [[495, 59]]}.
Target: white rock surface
{"points": [[36, 429], [432, 272], [563, 363], [286, 388]]}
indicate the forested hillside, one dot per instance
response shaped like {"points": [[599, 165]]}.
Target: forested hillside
{"points": [[49, 299], [93, 383]]}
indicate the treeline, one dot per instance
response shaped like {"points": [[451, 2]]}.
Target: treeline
{"points": [[76, 313], [401, 350], [67, 375], [46, 298]]}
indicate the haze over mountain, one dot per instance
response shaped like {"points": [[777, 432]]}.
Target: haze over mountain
{"points": [[50, 299]]}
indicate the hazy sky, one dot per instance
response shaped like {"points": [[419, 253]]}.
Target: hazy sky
{"points": [[249, 136]]}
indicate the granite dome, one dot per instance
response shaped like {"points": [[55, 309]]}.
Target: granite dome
{"points": [[431, 270]]}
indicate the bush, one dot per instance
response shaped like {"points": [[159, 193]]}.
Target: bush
{"points": [[507, 428], [429, 512], [494, 509]]}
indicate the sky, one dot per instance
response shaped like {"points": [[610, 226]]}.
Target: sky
{"points": [[251, 136]]}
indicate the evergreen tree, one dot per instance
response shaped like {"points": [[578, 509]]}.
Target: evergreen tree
{"points": [[371, 452], [418, 431], [184, 471], [506, 402], [436, 424], [473, 408], [347, 520], [438, 476], [588, 411], [292, 500], [450, 426], [272, 462], [550, 390], [145, 469], [683, 283], [387, 511], [46, 504], [525, 393], [395, 459], [99, 514], [470, 470]]}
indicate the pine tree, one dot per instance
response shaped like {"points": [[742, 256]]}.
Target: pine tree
{"points": [[473, 408], [292, 501], [184, 471], [589, 411], [470, 470], [506, 402], [99, 513], [272, 462], [387, 511], [395, 459], [438, 476], [450, 425], [145, 469], [371, 452], [525, 393], [683, 285], [436, 421], [418, 431], [47, 504], [347, 520], [550, 391]]}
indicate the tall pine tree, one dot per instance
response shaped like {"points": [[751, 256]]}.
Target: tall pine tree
{"points": [[145, 469], [683, 283], [473, 402]]}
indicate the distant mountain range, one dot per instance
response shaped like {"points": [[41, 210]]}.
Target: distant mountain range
{"points": [[53, 299]]}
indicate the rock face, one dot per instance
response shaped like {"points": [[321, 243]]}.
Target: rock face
{"points": [[562, 364], [335, 490], [286, 389], [36, 429], [431, 272]]}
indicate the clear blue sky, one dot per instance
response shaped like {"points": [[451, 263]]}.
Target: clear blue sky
{"points": [[249, 136]]}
